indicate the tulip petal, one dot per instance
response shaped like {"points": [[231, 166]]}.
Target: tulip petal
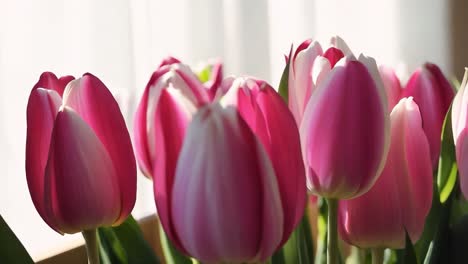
{"points": [[48, 80], [344, 133], [462, 158], [333, 55], [42, 108], [460, 108], [340, 44], [91, 99], [433, 94], [170, 121], [391, 84], [244, 221], [274, 125], [81, 188], [300, 85]]}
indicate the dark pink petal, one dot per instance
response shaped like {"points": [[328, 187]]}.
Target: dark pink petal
{"points": [[433, 94], [42, 108], [272, 122], [192, 82], [304, 45], [333, 55], [168, 61], [48, 80], [170, 121], [94, 103], [82, 191], [226, 205], [216, 79]]}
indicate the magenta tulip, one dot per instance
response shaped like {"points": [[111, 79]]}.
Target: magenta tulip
{"points": [[392, 86], [309, 66], [433, 94], [401, 198], [460, 132], [80, 166], [226, 202], [345, 130], [270, 119]]}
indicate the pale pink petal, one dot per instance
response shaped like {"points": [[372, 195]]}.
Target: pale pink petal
{"points": [[392, 85], [82, 190], [244, 222], [94, 103], [462, 161], [460, 108], [340, 44]]}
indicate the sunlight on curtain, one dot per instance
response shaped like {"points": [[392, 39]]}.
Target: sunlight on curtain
{"points": [[122, 42]]}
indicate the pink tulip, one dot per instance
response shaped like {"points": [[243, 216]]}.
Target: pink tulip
{"points": [[460, 132], [171, 97], [433, 94], [309, 66], [345, 130], [270, 119], [392, 85], [401, 198], [80, 166], [226, 202]]}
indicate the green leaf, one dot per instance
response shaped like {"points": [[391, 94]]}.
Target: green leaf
{"points": [[438, 249], [171, 254], [299, 248], [125, 244], [283, 85], [447, 172], [11, 249]]}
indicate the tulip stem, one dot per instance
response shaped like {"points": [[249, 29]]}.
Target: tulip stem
{"points": [[92, 245], [377, 255], [332, 240]]}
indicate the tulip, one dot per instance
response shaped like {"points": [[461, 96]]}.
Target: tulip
{"points": [[80, 166], [433, 94], [460, 131], [392, 85], [171, 97], [211, 74], [344, 132], [401, 197], [225, 199], [270, 119], [309, 66]]}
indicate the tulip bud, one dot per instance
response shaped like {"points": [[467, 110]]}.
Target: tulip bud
{"points": [[309, 66], [270, 119], [80, 166], [433, 94], [344, 132], [226, 204], [401, 197], [460, 132]]}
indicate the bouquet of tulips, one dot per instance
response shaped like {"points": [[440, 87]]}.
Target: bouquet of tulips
{"points": [[343, 163]]}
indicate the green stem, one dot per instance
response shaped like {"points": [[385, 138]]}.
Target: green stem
{"points": [[92, 245], [332, 241], [377, 255]]}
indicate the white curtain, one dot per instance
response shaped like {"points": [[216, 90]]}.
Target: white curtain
{"points": [[122, 41]]}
